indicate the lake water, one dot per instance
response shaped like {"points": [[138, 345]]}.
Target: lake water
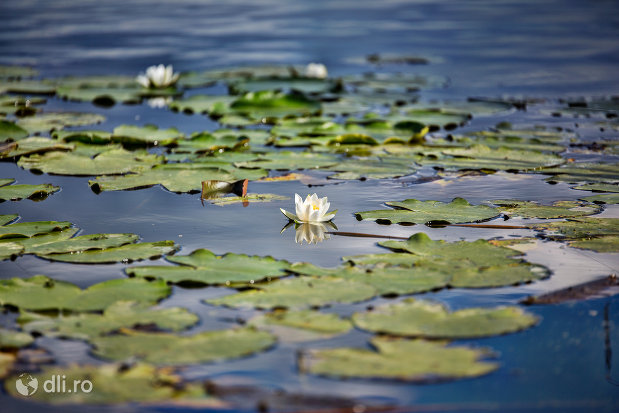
{"points": [[553, 49]]}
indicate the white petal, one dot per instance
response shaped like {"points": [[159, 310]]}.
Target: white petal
{"points": [[143, 80]]}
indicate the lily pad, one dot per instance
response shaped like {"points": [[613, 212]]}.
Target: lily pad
{"points": [[169, 349], [32, 145], [605, 243], [202, 266], [202, 104], [5, 219], [30, 229], [80, 243], [598, 187], [575, 172], [294, 326], [103, 96], [126, 253], [48, 122], [11, 339], [28, 87], [299, 292], [422, 318], [9, 131], [16, 72], [205, 142], [392, 82], [97, 137], [559, 209], [581, 227], [287, 160], [372, 168], [308, 85], [399, 359], [421, 212], [603, 199], [42, 293], [35, 192], [109, 162], [121, 314], [10, 250], [115, 384], [249, 199], [146, 135], [174, 177], [32, 243], [273, 104], [482, 157]]}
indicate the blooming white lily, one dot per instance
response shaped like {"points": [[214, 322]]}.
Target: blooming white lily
{"points": [[312, 209], [316, 70], [311, 233], [158, 77]]}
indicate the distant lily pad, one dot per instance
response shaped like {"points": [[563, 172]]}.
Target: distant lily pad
{"points": [[28, 87], [273, 104], [399, 359], [202, 266], [126, 253], [121, 314], [42, 293], [11, 339], [392, 82], [109, 162], [604, 243], [422, 318], [9, 131], [169, 349], [603, 198], [287, 160], [299, 292], [301, 84], [85, 136], [584, 172], [104, 96], [32, 145], [294, 326], [559, 209], [596, 187], [372, 168], [250, 198], [581, 227], [32, 243], [10, 250], [420, 212], [146, 135], [35, 192], [48, 122], [16, 72], [205, 142], [202, 104]]}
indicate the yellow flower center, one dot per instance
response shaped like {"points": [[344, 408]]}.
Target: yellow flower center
{"points": [[315, 207]]}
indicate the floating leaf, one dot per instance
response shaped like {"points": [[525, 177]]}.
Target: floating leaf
{"points": [[202, 266], [606, 243], [32, 243], [399, 359], [584, 172], [392, 82], [202, 104], [287, 160], [274, 104], [169, 349], [603, 199], [10, 339], [103, 96], [301, 84], [97, 137], [16, 72], [421, 212], [28, 87], [5, 219], [205, 142], [581, 227], [126, 253], [299, 292], [372, 168], [598, 187], [81, 243], [11, 132], [422, 318], [113, 161], [42, 293], [294, 326], [559, 209], [35, 192], [121, 314], [32, 145], [146, 135], [30, 229], [174, 177], [48, 122], [10, 250]]}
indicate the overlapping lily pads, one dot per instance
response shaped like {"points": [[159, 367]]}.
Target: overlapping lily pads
{"points": [[413, 211], [169, 349], [422, 318], [145, 135], [202, 266], [42, 293], [559, 209], [399, 359], [17, 192]]}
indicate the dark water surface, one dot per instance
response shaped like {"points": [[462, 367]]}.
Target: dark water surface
{"points": [[549, 49]]}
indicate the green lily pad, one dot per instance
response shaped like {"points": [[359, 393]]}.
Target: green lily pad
{"points": [[202, 266], [35, 192], [48, 122], [97, 137], [16, 72], [19, 105], [299, 292], [80, 244], [9, 131], [10, 250], [174, 177], [32, 145], [399, 359], [169, 349], [32, 243], [147, 135], [294, 326], [104, 96], [5, 219], [121, 314], [483, 157], [274, 104], [28, 87], [422, 318], [205, 142], [30, 229], [603, 199], [387, 280], [126, 253], [11, 339], [581, 227], [598, 187], [108, 162], [584, 172], [249, 199], [287, 160], [307, 85], [421, 212], [42, 293], [605, 243], [372, 168], [524, 140], [115, 384], [559, 209]]}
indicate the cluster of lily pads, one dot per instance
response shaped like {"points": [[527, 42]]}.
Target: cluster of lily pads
{"points": [[276, 119]]}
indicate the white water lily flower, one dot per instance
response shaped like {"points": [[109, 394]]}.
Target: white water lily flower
{"points": [[316, 70], [158, 77], [312, 209], [311, 233]]}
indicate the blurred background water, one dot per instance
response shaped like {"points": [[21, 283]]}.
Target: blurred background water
{"points": [[549, 49]]}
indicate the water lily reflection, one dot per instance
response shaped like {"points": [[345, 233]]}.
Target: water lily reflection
{"points": [[311, 233]]}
